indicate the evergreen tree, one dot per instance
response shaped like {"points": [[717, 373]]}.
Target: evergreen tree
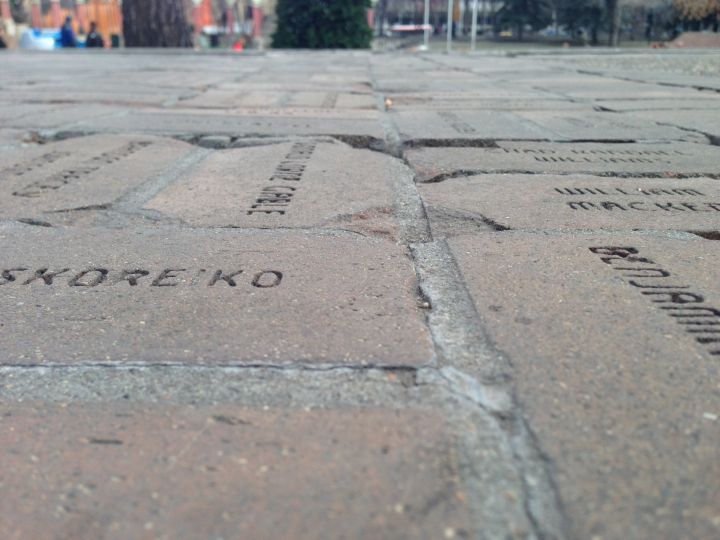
{"points": [[520, 13], [322, 24], [585, 14]]}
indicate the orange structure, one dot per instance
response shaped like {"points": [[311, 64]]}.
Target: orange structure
{"points": [[107, 14], [202, 15], [5, 14]]}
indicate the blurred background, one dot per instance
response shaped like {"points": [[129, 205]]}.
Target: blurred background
{"points": [[390, 24]]}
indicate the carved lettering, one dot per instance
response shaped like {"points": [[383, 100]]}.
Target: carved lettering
{"points": [[455, 122], [644, 286], [58, 180], [682, 304], [672, 297], [227, 278], [584, 205], [8, 276], [267, 279], [96, 277], [290, 169], [168, 277], [168, 273], [132, 276], [45, 275], [610, 205]]}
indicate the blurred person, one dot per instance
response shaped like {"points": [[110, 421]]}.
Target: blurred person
{"points": [[67, 34], [94, 38], [3, 44]]}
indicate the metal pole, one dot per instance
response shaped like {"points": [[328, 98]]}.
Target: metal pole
{"points": [[426, 23], [473, 26], [451, 7]]}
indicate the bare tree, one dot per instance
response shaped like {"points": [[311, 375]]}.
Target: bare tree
{"points": [[613, 8], [20, 10], [156, 23], [380, 13], [697, 9]]}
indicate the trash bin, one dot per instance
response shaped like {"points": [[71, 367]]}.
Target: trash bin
{"points": [[214, 41], [115, 41]]}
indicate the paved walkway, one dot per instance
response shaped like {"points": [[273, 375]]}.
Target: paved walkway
{"points": [[345, 295]]}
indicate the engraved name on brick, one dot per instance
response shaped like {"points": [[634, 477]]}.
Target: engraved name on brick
{"points": [[63, 178], [37, 163], [687, 307], [60, 276], [455, 122], [276, 198], [596, 155], [638, 199]]}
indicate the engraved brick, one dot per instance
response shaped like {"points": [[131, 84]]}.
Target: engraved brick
{"points": [[617, 379], [537, 157], [81, 172], [573, 202], [295, 184], [217, 297], [467, 124]]}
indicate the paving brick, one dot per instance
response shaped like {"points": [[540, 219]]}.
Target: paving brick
{"points": [[574, 202], [624, 105], [430, 102], [60, 116], [290, 185], [10, 138], [538, 157], [603, 126], [208, 297], [617, 379], [314, 113], [317, 99], [469, 124], [604, 88], [117, 471], [705, 120], [99, 94], [220, 122], [81, 173]]}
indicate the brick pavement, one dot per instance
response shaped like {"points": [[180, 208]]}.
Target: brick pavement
{"points": [[354, 295]]}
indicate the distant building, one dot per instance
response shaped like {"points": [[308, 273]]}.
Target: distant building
{"points": [[211, 16]]}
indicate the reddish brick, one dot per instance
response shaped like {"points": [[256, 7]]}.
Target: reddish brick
{"points": [[145, 472]]}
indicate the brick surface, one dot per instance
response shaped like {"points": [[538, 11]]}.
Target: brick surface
{"points": [[118, 471], [343, 294], [618, 379], [207, 297]]}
